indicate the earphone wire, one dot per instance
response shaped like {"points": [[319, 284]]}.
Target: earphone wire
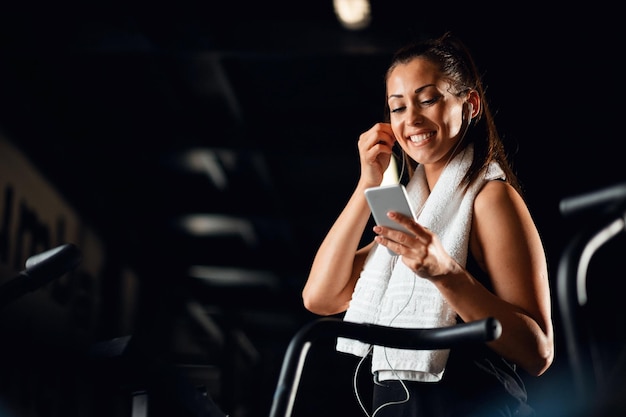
{"points": [[395, 258], [356, 372], [403, 161]]}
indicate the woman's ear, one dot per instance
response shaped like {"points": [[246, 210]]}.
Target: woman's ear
{"points": [[473, 101]]}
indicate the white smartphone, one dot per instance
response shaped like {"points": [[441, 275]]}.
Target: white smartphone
{"points": [[387, 198]]}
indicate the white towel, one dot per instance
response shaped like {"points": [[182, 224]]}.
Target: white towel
{"points": [[389, 293]]}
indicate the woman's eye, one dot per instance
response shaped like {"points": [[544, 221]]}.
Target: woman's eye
{"points": [[431, 101], [398, 109]]}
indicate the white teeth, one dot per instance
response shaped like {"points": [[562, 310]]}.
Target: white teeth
{"points": [[419, 138]]}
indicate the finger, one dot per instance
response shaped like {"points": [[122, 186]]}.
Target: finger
{"points": [[403, 219], [387, 139], [394, 246], [382, 133], [419, 231]]}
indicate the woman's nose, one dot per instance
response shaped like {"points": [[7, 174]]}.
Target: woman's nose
{"points": [[415, 116]]}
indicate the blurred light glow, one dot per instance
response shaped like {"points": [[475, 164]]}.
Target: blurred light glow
{"points": [[218, 225], [227, 276], [353, 14], [211, 162]]}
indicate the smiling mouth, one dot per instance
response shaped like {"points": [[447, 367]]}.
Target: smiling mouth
{"points": [[422, 137]]}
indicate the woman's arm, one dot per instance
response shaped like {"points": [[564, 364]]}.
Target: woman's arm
{"points": [[505, 242], [507, 245]]}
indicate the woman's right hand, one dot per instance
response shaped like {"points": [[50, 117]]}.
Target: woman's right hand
{"points": [[375, 150]]}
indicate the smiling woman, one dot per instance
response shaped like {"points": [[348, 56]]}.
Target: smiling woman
{"points": [[472, 252], [100, 99]]}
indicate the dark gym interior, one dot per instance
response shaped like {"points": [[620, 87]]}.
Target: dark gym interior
{"points": [[123, 123]]}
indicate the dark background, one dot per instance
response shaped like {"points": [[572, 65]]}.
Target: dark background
{"points": [[104, 97]]}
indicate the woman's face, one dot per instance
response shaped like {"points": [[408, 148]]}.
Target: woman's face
{"points": [[426, 118]]}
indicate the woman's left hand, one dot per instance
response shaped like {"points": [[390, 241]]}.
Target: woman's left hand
{"points": [[422, 251]]}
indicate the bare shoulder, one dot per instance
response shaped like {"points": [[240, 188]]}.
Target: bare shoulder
{"points": [[500, 209], [497, 195], [501, 217]]}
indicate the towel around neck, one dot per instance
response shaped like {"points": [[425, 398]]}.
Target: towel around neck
{"points": [[389, 293]]}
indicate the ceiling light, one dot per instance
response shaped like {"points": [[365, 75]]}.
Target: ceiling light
{"points": [[353, 14]]}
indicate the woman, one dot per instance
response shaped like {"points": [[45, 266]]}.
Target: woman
{"points": [[474, 251]]}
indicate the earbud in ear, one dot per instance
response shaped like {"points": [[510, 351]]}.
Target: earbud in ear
{"points": [[469, 109]]}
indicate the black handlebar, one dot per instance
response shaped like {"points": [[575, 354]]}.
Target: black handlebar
{"points": [[40, 270], [401, 338], [604, 199]]}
